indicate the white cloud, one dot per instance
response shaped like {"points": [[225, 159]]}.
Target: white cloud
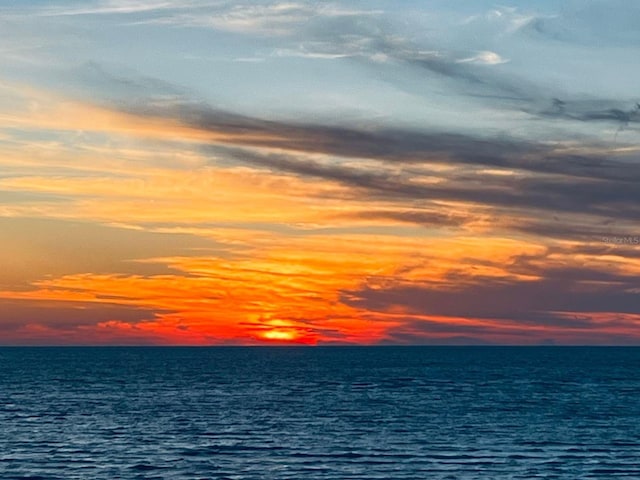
{"points": [[503, 20], [275, 19], [303, 53], [484, 58], [115, 7]]}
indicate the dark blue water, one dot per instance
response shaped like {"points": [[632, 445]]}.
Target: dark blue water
{"points": [[319, 413]]}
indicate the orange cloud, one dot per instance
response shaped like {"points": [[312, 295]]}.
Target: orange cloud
{"points": [[293, 246], [274, 289]]}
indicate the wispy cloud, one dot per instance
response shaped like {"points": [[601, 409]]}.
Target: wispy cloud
{"points": [[116, 7], [277, 18], [484, 58]]}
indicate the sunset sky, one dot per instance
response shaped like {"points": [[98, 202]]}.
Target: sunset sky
{"points": [[360, 172]]}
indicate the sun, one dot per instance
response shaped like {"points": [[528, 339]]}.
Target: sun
{"points": [[281, 335]]}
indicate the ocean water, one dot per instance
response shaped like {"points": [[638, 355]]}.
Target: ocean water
{"points": [[320, 413]]}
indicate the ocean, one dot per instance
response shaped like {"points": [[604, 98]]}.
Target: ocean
{"points": [[319, 413]]}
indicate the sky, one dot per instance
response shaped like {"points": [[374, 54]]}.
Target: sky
{"points": [[319, 173]]}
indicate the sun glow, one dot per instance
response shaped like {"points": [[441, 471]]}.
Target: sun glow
{"points": [[280, 335]]}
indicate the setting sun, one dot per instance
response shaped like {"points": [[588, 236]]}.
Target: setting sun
{"points": [[280, 335]]}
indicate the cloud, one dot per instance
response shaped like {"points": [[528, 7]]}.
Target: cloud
{"points": [[63, 323], [286, 283], [249, 226], [395, 164], [616, 330], [580, 301], [557, 193], [403, 163], [302, 52], [33, 248], [500, 22], [311, 30], [266, 19], [484, 58], [431, 217], [115, 7], [377, 41], [611, 111], [533, 301], [62, 316], [374, 40]]}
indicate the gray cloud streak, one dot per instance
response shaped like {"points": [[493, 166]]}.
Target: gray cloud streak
{"points": [[567, 289], [546, 179]]}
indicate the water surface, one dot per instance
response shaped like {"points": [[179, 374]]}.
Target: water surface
{"points": [[320, 413]]}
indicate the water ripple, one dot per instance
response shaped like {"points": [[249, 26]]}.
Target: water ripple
{"points": [[361, 413]]}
